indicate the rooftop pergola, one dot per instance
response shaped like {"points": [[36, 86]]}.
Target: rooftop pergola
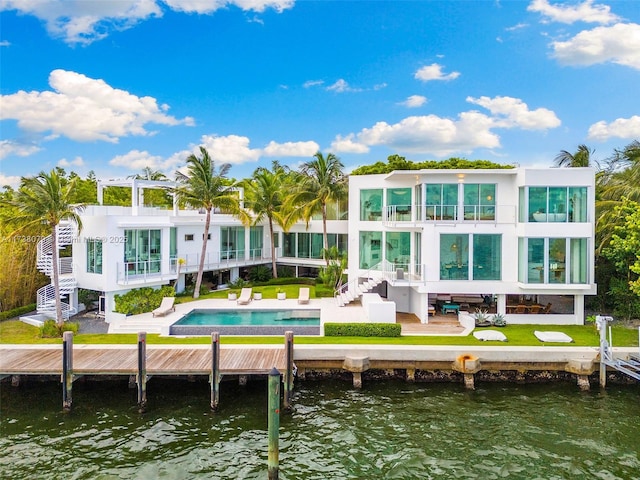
{"points": [[137, 187]]}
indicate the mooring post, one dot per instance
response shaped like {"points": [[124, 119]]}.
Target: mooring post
{"points": [[288, 376], [215, 370], [274, 424], [67, 371], [601, 322], [142, 372]]}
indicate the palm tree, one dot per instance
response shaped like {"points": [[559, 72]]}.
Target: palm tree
{"points": [[46, 198], [204, 187], [264, 195], [153, 197], [321, 182], [583, 157]]}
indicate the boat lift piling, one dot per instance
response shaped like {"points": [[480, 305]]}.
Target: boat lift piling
{"points": [[141, 379], [67, 371], [215, 371]]}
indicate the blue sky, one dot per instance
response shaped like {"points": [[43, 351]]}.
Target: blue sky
{"points": [[114, 87]]}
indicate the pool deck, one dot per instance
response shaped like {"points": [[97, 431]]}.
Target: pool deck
{"points": [[329, 312]]}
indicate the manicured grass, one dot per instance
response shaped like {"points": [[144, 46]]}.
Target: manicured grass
{"points": [[268, 291], [16, 332]]}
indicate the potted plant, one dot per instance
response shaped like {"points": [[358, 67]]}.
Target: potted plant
{"points": [[499, 320], [281, 294], [257, 295], [232, 295], [482, 318]]}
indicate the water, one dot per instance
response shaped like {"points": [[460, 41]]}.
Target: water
{"points": [[389, 430], [251, 317]]}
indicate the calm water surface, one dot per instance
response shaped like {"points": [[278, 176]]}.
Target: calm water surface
{"points": [[389, 430]]}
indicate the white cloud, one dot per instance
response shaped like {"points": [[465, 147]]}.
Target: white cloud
{"points": [[85, 109], [291, 149], [83, 22], [312, 83], [517, 26], [342, 86], [580, 12], [5, 43], [512, 112], [619, 128], [434, 72], [138, 160], [76, 162], [414, 101], [9, 147], [618, 43], [210, 6], [430, 134], [230, 149], [10, 180], [348, 144]]}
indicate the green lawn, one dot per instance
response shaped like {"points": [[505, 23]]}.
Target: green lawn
{"points": [[16, 332]]}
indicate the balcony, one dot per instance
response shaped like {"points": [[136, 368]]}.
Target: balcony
{"points": [[408, 215]]}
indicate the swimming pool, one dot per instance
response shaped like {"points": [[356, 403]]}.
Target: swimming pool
{"points": [[248, 322]]}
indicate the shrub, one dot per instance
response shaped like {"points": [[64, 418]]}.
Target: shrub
{"points": [[51, 329], [284, 271], [259, 273], [16, 312], [362, 329], [141, 300], [238, 284]]}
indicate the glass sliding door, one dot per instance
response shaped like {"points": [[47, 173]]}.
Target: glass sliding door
{"points": [[557, 260], [143, 251], [487, 257], [398, 249], [535, 259], [371, 205], [399, 203], [579, 260], [288, 244], [454, 257], [256, 236], [370, 249]]}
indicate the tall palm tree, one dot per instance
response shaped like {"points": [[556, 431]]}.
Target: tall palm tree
{"points": [[322, 181], [46, 198], [204, 187], [264, 195], [583, 157]]}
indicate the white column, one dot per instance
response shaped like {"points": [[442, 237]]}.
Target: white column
{"points": [[578, 309]]}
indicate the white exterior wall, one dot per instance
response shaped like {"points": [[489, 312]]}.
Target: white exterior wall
{"points": [[506, 224]]}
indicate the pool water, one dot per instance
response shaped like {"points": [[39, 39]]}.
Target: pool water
{"points": [[250, 318]]}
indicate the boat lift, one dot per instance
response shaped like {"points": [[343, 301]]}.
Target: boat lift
{"points": [[629, 367]]}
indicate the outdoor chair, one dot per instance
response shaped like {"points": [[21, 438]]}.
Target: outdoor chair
{"points": [[521, 309], [303, 295], [166, 306], [245, 296]]}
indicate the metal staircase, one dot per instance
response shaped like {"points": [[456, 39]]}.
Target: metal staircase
{"points": [[46, 298]]}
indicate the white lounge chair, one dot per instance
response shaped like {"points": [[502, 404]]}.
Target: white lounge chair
{"points": [[245, 296], [165, 307], [303, 295]]}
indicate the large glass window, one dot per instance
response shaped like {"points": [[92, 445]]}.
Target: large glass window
{"points": [[487, 257], [232, 243], [142, 253], [557, 204], [441, 201], [398, 249], [399, 203], [479, 201], [549, 259], [94, 256], [454, 257], [256, 236], [371, 205], [370, 249], [289, 245]]}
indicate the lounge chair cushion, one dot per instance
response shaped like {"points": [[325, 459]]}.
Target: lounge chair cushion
{"points": [[559, 337], [490, 335]]}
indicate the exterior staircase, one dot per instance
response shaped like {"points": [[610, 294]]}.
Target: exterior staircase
{"points": [[353, 290], [46, 298]]}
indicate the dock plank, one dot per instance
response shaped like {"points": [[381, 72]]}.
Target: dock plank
{"points": [[123, 360]]}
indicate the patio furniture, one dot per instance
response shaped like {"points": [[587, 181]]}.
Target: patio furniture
{"points": [[166, 306], [450, 307], [303, 295], [245, 296]]}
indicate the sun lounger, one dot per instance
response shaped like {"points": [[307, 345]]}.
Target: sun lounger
{"points": [[303, 295], [559, 337], [245, 296], [165, 307]]}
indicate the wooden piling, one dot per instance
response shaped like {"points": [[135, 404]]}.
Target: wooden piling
{"points": [[274, 425], [142, 372], [67, 371], [288, 376], [215, 371]]}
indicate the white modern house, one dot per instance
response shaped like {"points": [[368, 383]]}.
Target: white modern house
{"points": [[517, 241]]}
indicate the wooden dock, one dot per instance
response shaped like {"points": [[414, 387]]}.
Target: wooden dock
{"points": [[123, 360], [143, 361]]}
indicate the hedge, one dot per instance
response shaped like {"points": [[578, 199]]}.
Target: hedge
{"points": [[16, 312], [362, 329], [141, 300]]}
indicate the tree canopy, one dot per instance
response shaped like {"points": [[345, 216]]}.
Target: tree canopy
{"points": [[396, 162]]}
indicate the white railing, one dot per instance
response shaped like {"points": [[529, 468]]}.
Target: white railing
{"points": [[450, 213]]}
